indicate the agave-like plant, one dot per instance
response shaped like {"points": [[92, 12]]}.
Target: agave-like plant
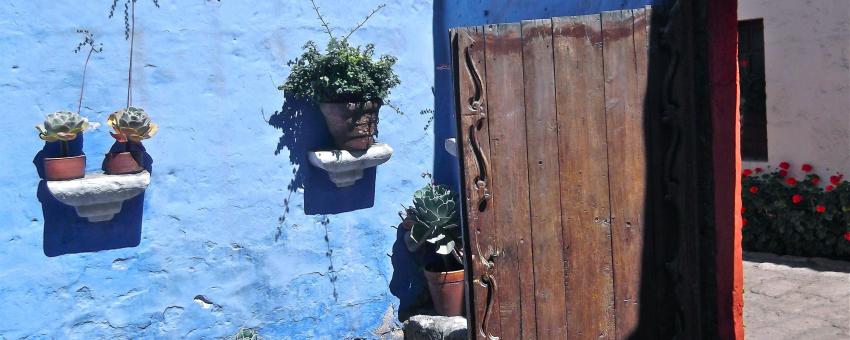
{"points": [[436, 216], [247, 334], [62, 126], [131, 124]]}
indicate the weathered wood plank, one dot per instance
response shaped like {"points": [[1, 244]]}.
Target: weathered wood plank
{"points": [[584, 176], [624, 98], [543, 175], [510, 180], [471, 108]]}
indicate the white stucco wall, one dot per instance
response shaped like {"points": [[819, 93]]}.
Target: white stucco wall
{"points": [[807, 71]]}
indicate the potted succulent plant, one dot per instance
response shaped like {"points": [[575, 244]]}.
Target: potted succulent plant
{"points": [[63, 127], [436, 228], [349, 84], [131, 125]]}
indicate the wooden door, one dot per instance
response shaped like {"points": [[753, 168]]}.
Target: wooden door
{"points": [[551, 124]]}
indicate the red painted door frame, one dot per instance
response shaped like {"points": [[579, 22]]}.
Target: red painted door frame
{"points": [[723, 74]]}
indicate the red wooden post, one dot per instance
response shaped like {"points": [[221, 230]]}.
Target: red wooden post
{"points": [[723, 73]]}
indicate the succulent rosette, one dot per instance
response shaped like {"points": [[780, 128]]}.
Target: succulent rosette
{"points": [[436, 219], [131, 124], [62, 126]]}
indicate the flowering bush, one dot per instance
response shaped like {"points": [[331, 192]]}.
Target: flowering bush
{"points": [[796, 216]]}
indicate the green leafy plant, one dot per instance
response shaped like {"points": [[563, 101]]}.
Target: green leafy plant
{"points": [[804, 217], [62, 126], [436, 222], [343, 72]]}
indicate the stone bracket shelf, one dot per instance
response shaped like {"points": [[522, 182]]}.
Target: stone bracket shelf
{"points": [[98, 196], [346, 167]]}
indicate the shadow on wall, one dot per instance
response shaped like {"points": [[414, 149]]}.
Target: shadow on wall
{"points": [[67, 233], [303, 130], [408, 282]]}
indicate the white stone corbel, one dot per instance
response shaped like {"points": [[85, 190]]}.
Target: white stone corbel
{"points": [[98, 196], [346, 167]]}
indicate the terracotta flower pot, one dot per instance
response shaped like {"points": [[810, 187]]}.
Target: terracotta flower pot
{"points": [[65, 168], [446, 290], [352, 125], [120, 163]]}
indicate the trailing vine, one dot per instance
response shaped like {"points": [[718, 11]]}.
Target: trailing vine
{"points": [[129, 34], [128, 4]]}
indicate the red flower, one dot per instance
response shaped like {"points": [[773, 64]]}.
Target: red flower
{"points": [[744, 222], [815, 180], [791, 181], [783, 173], [836, 179], [754, 189], [743, 209], [829, 188], [797, 198], [747, 172], [847, 236], [744, 63], [820, 208], [807, 167], [758, 170], [784, 165]]}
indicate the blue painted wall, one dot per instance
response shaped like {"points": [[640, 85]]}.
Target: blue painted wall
{"points": [[226, 214], [234, 215]]}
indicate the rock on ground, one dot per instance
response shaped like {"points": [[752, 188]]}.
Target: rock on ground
{"points": [[427, 327], [789, 297]]}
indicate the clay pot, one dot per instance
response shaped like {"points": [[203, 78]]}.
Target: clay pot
{"points": [[446, 290], [65, 168], [352, 125], [120, 163]]}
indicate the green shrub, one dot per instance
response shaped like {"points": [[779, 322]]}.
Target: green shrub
{"points": [[344, 73], [801, 217]]}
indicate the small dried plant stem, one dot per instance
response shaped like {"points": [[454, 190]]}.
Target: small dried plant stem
{"points": [[381, 6], [130, 68], [325, 24], [83, 85]]}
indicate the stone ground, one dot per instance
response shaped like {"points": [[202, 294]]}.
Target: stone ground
{"points": [[785, 298], [795, 298]]}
